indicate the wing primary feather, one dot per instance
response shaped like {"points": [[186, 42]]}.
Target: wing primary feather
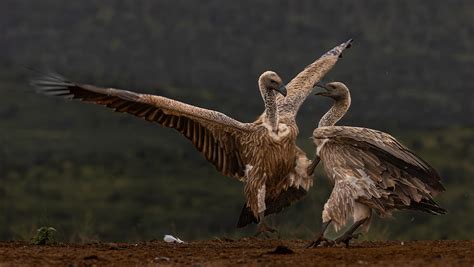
{"points": [[162, 118], [189, 129], [205, 144], [211, 132]]}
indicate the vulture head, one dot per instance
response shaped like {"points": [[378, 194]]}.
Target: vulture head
{"points": [[334, 90], [271, 81]]}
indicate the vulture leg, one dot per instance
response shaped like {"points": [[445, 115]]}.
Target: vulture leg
{"points": [[263, 228], [349, 234], [321, 237], [313, 165]]}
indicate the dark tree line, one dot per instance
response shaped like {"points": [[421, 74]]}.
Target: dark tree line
{"points": [[94, 174]]}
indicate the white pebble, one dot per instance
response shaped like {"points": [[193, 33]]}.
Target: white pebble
{"points": [[172, 239]]}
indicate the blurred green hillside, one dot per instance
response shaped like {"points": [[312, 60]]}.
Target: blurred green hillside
{"points": [[96, 175]]}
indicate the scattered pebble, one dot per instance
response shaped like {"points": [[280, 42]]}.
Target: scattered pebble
{"points": [[162, 259], [172, 239]]}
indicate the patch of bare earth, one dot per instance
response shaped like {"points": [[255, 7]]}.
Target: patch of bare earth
{"points": [[247, 251]]}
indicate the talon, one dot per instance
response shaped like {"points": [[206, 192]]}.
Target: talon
{"points": [[313, 244], [321, 242], [328, 243], [347, 238]]}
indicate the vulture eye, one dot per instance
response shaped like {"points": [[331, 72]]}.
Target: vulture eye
{"points": [[273, 81]]}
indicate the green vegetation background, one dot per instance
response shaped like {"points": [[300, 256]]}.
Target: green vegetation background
{"points": [[96, 175]]}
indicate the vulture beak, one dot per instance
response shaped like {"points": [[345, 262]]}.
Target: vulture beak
{"points": [[323, 86], [282, 89]]}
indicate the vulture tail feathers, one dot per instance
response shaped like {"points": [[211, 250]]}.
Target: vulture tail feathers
{"points": [[428, 206], [285, 199], [246, 217]]}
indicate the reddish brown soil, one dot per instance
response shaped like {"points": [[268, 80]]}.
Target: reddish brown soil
{"points": [[242, 252]]}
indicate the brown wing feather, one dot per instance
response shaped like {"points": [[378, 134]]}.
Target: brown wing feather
{"points": [[386, 149], [394, 188], [398, 187], [214, 134], [301, 85]]}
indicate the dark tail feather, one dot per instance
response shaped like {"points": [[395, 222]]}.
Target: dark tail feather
{"points": [[246, 217], [285, 199], [428, 206]]}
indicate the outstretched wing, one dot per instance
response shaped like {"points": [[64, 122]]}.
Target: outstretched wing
{"points": [[385, 148], [214, 134], [379, 158], [300, 87]]}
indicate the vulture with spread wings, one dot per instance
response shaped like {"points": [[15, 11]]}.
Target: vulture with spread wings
{"points": [[262, 154]]}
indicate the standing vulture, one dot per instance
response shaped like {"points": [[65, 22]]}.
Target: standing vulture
{"points": [[262, 154], [370, 171]]}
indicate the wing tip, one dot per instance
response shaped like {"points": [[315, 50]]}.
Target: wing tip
{"points": [[50, 83], [437, 210], [348, 43], [337, 51], [344, 46]]}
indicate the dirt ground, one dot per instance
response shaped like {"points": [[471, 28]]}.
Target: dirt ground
{"points": [[244, 252]]}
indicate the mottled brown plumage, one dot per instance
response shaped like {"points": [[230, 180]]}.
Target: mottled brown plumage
{"points": [[262, 154], [386, 174], [370, 170], [302, 85]]}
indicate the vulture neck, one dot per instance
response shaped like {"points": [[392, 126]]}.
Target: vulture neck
{"points": [[271, 111], [336, 112]]}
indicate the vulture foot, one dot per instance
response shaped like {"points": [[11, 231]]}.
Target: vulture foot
{"points": [[321, 242], [346, 238]]}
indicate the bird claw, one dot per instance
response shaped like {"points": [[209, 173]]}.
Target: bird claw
{"points": [[321, 242], [345, 239]]}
